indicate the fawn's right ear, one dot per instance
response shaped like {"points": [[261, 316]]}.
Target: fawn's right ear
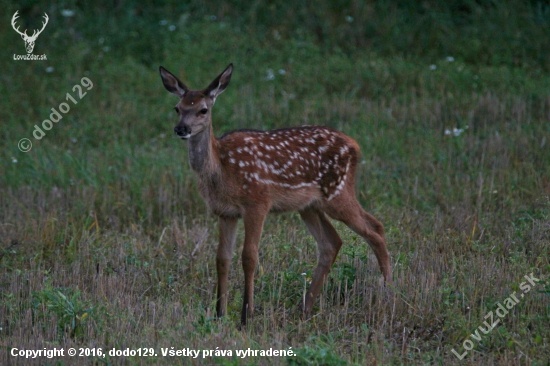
{"points": [[172, 83]]}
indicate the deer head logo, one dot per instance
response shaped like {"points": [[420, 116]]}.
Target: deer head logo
{"points": [[29, 40]]}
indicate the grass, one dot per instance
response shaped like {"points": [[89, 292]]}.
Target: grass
{"points": [[104, 241]]}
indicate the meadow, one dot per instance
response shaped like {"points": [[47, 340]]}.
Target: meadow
{"points": [[105, 242]]}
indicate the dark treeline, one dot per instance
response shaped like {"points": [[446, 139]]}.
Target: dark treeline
{"points": [[484, 32]]}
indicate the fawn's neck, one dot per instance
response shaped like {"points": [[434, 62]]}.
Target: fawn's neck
{"points": [[204, 156]]}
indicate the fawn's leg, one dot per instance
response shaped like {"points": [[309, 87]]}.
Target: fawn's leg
{"points": [[352, 214], [228, 234], [329, 243], [253, 224]]}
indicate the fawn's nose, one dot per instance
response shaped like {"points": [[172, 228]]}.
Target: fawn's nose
{"points": [[182, 131]]}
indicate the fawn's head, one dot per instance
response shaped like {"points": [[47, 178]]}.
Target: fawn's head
{"points": [[195, 106]]}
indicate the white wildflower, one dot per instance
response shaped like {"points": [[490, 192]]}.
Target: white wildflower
{"points": [[455, 131], [67, 13]]}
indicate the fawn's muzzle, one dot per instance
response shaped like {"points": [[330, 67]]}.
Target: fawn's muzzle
{"points": [[183, 131]]}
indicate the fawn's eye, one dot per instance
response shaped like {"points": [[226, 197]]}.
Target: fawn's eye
{"points": [[176, 109], [204, 110]]}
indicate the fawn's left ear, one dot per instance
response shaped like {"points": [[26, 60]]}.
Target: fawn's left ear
{"points": [[172, 83], [220, 83]]}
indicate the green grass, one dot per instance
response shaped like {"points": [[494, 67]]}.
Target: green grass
{"points": [[104, 241]]}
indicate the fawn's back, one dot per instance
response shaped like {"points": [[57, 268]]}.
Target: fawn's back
{"points": [[290, 167]]}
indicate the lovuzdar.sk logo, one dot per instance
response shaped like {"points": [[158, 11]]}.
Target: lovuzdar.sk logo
{"points": [[29, 40]]}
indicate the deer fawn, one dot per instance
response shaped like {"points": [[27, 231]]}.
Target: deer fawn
{"points": [[248, 173]]}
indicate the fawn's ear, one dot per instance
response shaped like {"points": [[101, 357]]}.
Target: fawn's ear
{"points": [[220, 83], [172, 83]]}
